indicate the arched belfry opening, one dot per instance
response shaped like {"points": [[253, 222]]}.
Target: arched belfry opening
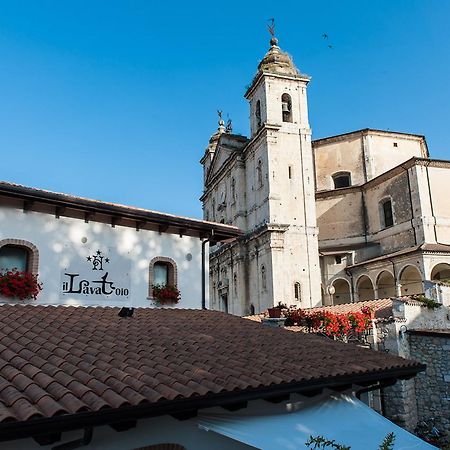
{"points": [[286, 107], [258, 114]]}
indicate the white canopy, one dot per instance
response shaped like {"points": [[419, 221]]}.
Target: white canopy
{"points": [[339, 417]]}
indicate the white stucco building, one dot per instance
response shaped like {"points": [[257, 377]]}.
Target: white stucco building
{"points": [[88, 252], [351, 217]]}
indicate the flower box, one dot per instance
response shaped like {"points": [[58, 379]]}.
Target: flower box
{"points": [[16, 285]]}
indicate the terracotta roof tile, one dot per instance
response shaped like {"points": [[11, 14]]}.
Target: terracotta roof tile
{"points": [[65, 360]]}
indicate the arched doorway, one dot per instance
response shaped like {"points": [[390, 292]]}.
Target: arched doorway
{"points": [[364, 288], [386, 285], [341, 292], [411, 281], [441, 272]]}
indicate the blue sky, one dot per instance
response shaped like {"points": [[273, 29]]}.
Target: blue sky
{"points": [[116, 100]]}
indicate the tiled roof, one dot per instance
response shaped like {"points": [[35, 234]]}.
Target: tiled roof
{"points": [[59, 362], [382, 307]]}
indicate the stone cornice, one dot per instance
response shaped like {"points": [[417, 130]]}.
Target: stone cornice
{"points": [[397, 170], [365, 132], [260, 75]]}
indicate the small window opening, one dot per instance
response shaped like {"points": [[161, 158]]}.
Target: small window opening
{"points": [[258, 113], [161, 273], [286, 107], [233, 190], [252, 310], [388, 215], [14, 257], [341, 180], [290, 172], [338, 259], [297, 291], [259, 174], [263, 278], [395, 144]]}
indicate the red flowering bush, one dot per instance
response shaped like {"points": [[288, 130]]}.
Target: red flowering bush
{"points": [[165, 294], [21, 285], [331, 324]]}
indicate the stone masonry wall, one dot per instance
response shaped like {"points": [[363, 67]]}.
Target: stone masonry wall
{"points": [[433, 385], [399, 404]]}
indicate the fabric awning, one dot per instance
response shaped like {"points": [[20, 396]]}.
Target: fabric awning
{"points": [[340, 417]]}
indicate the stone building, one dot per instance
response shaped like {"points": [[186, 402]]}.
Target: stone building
{"points": [[351, 217]]}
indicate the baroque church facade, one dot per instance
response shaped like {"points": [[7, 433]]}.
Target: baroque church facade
{"points": [[357, 216]]}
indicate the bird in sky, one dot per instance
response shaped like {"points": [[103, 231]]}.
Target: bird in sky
{"points": [[325, 35]]}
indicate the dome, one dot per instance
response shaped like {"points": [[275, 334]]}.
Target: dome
{"points": [[277, 61]]}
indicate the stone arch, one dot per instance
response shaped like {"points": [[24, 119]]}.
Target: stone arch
{"points": [[411, 280], [364, 288], [341, 179], [172, 275], [33, 252], [286, 107], [386, 284], [440, 272], [342, 293]]}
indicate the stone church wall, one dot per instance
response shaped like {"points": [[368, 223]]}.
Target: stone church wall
{"points": [[432, 387]]}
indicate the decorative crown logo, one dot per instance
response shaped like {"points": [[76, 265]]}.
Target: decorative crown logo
{"points": [[97, 260]]}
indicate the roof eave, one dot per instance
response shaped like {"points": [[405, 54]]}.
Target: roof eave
{"points": [[34, 427]]}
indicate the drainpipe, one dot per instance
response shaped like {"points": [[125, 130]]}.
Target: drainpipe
{"points": [[431, 204], [204, 242], [410, 202], [349, 274], [397, 285]]}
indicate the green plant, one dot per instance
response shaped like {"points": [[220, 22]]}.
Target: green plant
{"points": [[428, 302], [388, 442], [281, 306], [320, 443]]}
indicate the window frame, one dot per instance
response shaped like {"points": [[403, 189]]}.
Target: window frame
{"points": [[286, 116], [382, 207], [341, 174], [32, 265], [172, 273]]}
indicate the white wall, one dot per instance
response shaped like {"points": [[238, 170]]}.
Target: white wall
{"points": [[164, 429], [60, 245]]}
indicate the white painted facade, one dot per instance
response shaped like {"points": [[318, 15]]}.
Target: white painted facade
{"points": [[66, 240], [90, 253]]}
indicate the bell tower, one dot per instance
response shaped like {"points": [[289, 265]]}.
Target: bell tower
{"points": [[281, 143]]}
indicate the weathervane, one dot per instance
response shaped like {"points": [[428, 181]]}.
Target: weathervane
{"points": [[271, 28]]}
